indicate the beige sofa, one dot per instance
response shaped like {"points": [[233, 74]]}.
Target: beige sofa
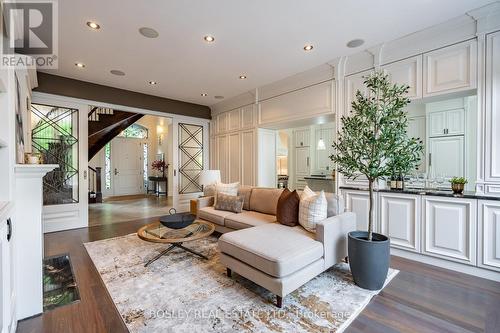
{"points": [[277, 257]]}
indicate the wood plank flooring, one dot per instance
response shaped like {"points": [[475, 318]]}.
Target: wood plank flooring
{"points": [[421, 298]]}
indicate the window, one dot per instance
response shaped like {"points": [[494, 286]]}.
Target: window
{"points": [[107, 165], [135, 131]]}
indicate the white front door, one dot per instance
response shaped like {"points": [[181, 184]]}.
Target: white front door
{"points": [[126, 156]]}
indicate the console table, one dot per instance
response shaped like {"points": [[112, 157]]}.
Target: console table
{"points": [[156, 185]]}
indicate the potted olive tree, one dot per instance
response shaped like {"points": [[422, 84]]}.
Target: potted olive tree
{"points": [[373, 142]]}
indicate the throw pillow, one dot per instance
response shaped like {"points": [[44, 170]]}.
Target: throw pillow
{"points": [[307, 192], [209, 190], [287, 212], [229, 189], [245, 192], [335, 204], [312, 209], [231, 203]]}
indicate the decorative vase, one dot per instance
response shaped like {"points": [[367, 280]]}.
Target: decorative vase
{"points": [[457, 188], [368, 260]]}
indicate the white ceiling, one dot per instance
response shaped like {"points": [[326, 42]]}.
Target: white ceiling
{"points": [[260, 38]]}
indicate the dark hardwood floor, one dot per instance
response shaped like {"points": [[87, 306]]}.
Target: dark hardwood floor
{"points": [[421, 298]]}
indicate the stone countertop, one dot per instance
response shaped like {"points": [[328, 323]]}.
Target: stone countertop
{"points": [[432, 192], [329, 178]]}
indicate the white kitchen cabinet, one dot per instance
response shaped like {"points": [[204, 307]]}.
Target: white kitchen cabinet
{"points": [[449, 228], [213, 154], [248, 158], [302, 137], [358, 202], [302, 161], [450, 69], [222, 122], [407, 71], [489, 234], [399, 217], [223, 157], [446, 156], [248, 116], [450, 122], [353, 83], [213, 127], [492, 102], [234, 167], [234, 121], [7, 299]]}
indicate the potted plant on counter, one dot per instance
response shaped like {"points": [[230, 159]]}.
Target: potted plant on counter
{"points": [[373, 142], [458, 184]]}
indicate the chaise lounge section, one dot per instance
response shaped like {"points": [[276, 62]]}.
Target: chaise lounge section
{"points": [[275, 256]]}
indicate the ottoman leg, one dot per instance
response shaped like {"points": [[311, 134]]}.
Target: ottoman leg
{"points": [[279, 301], [228, 272]]}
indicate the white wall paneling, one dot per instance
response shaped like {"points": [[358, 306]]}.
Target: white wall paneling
{"points": [[300, 104], [222, 143], [234, 120], [407, 71], [248, 152], [266, 171], [248, 116], [492, 102], [222, 122], [489, 234], [450, 69], [234, 157], [399, 216], [449, 228]]}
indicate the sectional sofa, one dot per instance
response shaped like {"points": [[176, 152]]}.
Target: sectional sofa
{"points": [[277, 257]]}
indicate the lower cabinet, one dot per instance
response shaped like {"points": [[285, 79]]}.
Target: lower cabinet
{"points": [[489, 234], [399, 217], [449, 228], [7, 297], [358, 202]]}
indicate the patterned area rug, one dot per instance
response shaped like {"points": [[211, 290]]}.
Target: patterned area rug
{"points": [[182, 293]]}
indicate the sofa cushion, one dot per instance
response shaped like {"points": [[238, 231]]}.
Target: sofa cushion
{"points": [[272, 248], [231, 203], [287, 212], [248, 219], [210, 214], [265, 200], [245, 192]]}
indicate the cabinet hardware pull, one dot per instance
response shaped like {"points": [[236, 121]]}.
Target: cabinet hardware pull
{"points": [[430, 159], [9, 229], [308, 162]]}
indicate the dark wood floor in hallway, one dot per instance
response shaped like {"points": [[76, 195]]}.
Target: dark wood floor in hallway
{"points": [[421, 298]]}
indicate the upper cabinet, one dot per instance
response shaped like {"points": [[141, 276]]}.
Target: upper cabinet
{"points": [[492, 128], [302, 137], [234, 119], [304, 103], [450, 69], [407, 71], [443, 123], [352, 84], [248, 116], [222, 122]]}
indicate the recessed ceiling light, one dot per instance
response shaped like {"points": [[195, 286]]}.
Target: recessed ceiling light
{"points": [[308, 47], [93, 25], [243, 77], [204, 94], [153, 83], [209, 39], [148, 32], [219, 97], [355, 43], [79, 64], [117, 72]]}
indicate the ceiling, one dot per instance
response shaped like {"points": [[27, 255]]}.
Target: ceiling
{"points": [[262, 39]]}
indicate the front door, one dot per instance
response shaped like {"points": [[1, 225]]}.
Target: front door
{"points": [[127, 166]]}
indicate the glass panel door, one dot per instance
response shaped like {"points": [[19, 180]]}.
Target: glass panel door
{"points": [[190, 157]]}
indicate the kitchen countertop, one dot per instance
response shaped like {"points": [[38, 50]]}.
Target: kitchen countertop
{"points": [[438, 193], [319, 178]]}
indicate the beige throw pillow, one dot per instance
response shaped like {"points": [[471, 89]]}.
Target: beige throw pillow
{"points": [[229, 189], [231, 203], [312, 209]]}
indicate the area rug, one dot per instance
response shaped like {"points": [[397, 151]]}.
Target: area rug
{"points": [[183, 293]]}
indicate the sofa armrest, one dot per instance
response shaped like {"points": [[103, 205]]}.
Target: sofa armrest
{"points": [[205, 202], [332, 232]]}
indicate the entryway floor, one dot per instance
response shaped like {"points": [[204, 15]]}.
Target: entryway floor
{"points": [[128, 208]]}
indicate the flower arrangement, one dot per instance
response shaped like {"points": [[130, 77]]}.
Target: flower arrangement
{"points": [[458, 180], [158, 165], [458, 184]]}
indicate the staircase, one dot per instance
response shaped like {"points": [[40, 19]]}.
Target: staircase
{"points": [[104, 124]]}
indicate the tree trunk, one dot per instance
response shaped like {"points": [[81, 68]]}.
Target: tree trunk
{"points": [[370, 210]]}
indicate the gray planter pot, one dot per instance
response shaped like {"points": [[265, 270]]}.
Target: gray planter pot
{"points": [[369, 261]]}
